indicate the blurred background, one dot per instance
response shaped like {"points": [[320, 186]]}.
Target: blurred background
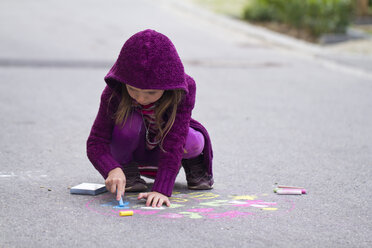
{"points": [[310, 20]]}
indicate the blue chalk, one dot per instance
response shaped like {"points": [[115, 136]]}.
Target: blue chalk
{"points": [[121, 203]]}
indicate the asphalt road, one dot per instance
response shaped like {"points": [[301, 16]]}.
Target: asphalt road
{"points": [[275, 116]]}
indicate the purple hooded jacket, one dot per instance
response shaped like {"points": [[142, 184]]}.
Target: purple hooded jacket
{"points": [[148, 60]]}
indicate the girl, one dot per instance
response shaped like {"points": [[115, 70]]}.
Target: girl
{"points": [[144, 125]]}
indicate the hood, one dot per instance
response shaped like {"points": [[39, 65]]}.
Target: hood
{"points": [[148, 60]]}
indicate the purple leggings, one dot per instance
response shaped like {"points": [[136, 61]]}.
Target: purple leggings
{"points": [[128, 143]]}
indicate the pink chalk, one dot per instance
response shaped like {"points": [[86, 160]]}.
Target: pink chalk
{"points": [[286, 191]]}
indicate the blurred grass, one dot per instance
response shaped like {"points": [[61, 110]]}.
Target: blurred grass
{"points": [[323, 18], [318, 17]]}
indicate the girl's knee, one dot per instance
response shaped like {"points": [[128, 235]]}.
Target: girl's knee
{"points": [[194, 144]]}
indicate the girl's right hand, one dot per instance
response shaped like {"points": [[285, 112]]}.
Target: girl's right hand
{"points": [[115, 182]]}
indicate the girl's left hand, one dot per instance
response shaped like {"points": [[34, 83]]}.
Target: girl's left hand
{"points": [[157, 199]]}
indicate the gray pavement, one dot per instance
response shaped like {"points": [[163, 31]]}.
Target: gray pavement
{"points": [[276, 114]]}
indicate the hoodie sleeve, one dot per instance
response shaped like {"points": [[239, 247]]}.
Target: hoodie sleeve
{"points": [[170, 161], [98, 143]]}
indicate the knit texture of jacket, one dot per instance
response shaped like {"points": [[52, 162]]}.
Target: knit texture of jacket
{"points": [[148, 60]]}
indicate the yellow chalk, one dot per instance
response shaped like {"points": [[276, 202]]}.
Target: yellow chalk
{"points": [[270, 209], [126, 213]]}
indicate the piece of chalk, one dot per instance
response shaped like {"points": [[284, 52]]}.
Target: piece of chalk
{"points": [[303, 191], [289, 187], [126, 213], [121, 203], [290, 191]]}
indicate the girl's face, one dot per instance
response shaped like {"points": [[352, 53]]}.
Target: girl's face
{"points": [[144, 97]]}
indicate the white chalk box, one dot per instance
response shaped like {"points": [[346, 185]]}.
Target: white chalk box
{"points": [[88, 189]]}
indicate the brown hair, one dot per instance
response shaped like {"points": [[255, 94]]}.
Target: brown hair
{"points": [[165, 110]]}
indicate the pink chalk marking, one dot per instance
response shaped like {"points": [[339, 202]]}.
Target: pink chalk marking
{"points": [[171, 216], [269, 203], [137, 211], [200, 210], [248, 203], [228, 214]]}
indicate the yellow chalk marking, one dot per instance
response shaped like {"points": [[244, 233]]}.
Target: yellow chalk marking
{"points": [[176, 199], [126, 213], [270, 209], [203, 196], [174, 205], [245, 197]]}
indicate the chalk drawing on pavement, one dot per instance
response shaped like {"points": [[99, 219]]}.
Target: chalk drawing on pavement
{"points": [[196, 205]]}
